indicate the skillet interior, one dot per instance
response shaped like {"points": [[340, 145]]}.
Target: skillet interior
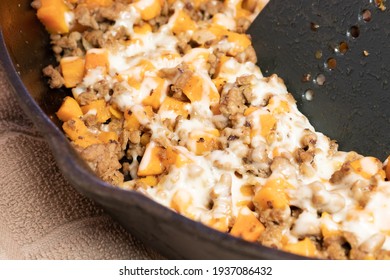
{"points": [[24, 51], [351, 105]]}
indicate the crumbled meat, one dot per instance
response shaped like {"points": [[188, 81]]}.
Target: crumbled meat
{"points": [[220, 121], [90, 120], [333, 147], [94, 38], [259, 169], [36, 4], [118, 89], [55, 78], [272, 236], [213, 61], [183, 42], [231, 134], [339, 246], [112, 39], [174, 72], [309, 139], [111, 12], [181, 81], [135, 137], [361, 191], [101, 88], [124, 138], [232, 102], [338, 176], [86, 97], [161, 19], [245, 80], [104, 160], [282, 165], [201, 36], [210, 8], [249, 54], [195, 14], [67, 45], [304, 156], [242, 24], [85, 17]]}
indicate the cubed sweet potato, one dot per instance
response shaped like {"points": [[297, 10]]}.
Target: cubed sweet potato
{"points": [[183, 23], [247, 226], [72, 69], [108, 136], [148, 9], [96, 58], [52, 14], [134, 118], [177, 106], [98, 3], [305, 247], [202, 142], [77, 131], [69, 109], [154, 99], [101, 109], [152, 161], [273, 194]]}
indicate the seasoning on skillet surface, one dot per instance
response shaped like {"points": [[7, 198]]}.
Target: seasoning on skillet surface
{"points": [[168, 101]]}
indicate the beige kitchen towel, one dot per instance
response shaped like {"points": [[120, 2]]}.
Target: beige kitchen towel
{"points": [[41, 215]]}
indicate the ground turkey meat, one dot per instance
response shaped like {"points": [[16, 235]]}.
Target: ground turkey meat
{"points": [[104, 160]]}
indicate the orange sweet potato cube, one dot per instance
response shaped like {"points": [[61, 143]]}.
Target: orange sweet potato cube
{"points": [[175, 158], [144, 29], [96, 58], [149, 180], [154, 99], [201, 142], [131, 121], [172, 104], [52, 14], [183, 23], [99, 3], [152, 161], [305, 247], [149, 10], [77, 131], [69, 109], [108, 136], [247, 226], [194, 88], [273, 194], [101, 109], [72, 70]]}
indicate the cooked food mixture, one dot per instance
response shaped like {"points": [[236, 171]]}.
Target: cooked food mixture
{"points": [[167, 100]]}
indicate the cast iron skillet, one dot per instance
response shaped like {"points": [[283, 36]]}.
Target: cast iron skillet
{"points": [[24, 51]]}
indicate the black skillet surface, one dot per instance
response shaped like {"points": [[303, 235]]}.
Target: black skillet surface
{"points": [[24, 51], [301, 39]]}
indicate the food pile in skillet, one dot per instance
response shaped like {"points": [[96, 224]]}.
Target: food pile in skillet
{"points": [[167, 100]]}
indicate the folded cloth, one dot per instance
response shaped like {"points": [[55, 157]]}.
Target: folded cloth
{"points": [[41, 215]]}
